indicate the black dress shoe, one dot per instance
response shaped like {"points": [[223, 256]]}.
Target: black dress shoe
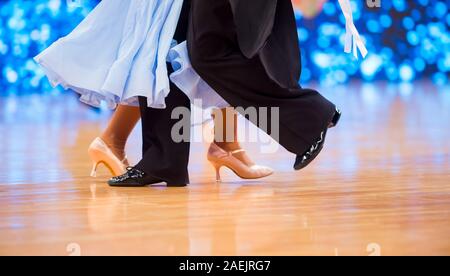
{"points": [[306, 158], [136, 178], [336, 118]]}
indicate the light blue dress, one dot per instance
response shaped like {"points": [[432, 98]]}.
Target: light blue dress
{"points": [[119, 52]]}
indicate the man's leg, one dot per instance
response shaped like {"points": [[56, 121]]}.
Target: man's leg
{"points": [[164, 160], [162, 157]]}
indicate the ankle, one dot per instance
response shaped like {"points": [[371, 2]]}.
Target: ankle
{"points": [[116, 145], [228, 146], [234, 146]]}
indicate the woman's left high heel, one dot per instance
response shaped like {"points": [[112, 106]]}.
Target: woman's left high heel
{"points": [[100, 153]]}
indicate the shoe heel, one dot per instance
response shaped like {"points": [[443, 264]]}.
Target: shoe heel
{"points": [[100, 152], [217, 169], [94, 169], [218, 178]]}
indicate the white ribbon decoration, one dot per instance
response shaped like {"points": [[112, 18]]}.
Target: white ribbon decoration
{"points": [[352, 37]]}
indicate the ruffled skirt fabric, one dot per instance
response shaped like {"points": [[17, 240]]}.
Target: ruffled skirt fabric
{"points": [[119, 52]]}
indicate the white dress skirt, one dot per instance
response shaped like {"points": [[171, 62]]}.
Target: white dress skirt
{"points": [[119, 52]]}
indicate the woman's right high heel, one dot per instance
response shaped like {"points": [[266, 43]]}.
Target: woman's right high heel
{"points": [[220, 158], [100, 153]]}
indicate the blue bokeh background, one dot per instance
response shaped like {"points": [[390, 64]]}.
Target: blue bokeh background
{"points": [[407, 41]]}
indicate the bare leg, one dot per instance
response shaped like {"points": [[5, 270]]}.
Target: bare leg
{"points": [[120, 127], [227, 139]]}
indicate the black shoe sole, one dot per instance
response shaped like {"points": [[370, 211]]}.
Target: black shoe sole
{"points": [[138, 185], [127, 185]]}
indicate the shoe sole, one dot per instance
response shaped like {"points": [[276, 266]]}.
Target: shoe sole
{"points": [[145, 185]]}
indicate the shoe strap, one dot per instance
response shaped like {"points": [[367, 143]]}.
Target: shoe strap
{"points": [[237, 151]]}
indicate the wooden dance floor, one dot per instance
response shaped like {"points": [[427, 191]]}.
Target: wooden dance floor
{"points": [[380, 187]]}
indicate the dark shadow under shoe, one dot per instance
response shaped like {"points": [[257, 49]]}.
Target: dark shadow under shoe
{"points": [[136, 178]]}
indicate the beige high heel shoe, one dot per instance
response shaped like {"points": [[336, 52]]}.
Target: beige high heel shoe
{"points": [[220, 158], [100, 153]]}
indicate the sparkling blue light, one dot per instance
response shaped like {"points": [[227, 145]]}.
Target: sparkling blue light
{"points": [[406, 73], [329, 8], [440, 9], [440, 78], [416, 15], [303, 34], [413, 38], [436, 30], [322, 60], [419, 64], [373, 26], [10, 75], [408, 23], [399, 5], [371, 66], [407, 40], [385, 21], [323, 42], [306, 75], [444, 64]]}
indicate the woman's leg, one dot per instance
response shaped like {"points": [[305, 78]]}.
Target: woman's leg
{"points": [[119, 129], [226, 133], [226, 150]]}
